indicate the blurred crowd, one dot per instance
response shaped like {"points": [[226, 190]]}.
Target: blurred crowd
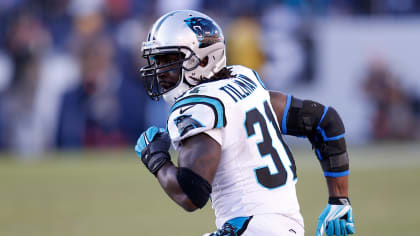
{"points": [[396, 107], [69, 68]]}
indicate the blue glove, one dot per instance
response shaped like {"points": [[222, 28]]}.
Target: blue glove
{"points": [[152, 148], [336, 218]]}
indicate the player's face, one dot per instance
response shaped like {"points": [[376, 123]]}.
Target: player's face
{"points": [[169, 70]]}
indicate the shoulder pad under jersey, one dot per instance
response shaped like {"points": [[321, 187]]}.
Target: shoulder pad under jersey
{"points": [[194, 114]]}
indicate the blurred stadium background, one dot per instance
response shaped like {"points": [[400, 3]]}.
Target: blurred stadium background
{"points": [[72, 106]]}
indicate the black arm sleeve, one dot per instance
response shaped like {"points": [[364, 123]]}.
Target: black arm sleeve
{"points": [[194, 186], [324, 128]]}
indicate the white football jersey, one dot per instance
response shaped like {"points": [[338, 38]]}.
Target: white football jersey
{"points": [[256, 173]]}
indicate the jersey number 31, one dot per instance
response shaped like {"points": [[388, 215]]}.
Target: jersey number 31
{"points": [[265, 147]]}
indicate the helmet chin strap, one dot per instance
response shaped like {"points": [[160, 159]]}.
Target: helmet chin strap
{"points": [[171, 96], [185, 81]]}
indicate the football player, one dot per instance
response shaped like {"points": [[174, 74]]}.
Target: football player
{"points": [[227, 128]]}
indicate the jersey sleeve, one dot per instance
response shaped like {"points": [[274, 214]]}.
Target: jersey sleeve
{"points": [[196, 114]]}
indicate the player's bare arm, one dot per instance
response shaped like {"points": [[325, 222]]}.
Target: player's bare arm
{"points": [[200, 154], [167, 179], [278, 101], [338, 186]]}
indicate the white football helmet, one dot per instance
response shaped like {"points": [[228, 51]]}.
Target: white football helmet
{"points": [[192, 35]]}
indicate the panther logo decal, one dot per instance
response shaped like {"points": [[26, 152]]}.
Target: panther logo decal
{"points": [[185, 123], [206, 31]]}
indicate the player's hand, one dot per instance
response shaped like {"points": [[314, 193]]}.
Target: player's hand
{"points": [[152, 148], [336, 218]]}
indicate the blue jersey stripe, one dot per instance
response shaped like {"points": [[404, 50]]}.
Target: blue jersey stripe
{"points": [[259, 79], [214, 103]]}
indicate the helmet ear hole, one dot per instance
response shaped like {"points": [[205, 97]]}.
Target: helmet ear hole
{"points": [[204, 62]]}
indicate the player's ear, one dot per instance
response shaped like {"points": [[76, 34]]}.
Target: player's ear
{"points": [[204, 62]]}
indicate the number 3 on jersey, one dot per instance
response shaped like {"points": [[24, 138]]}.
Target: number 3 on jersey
{"points": [[265, 147]]}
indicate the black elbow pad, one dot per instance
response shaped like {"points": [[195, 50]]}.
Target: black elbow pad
{"points": [[324, 128], [194, 186], [302, 117], [330, 145]]}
